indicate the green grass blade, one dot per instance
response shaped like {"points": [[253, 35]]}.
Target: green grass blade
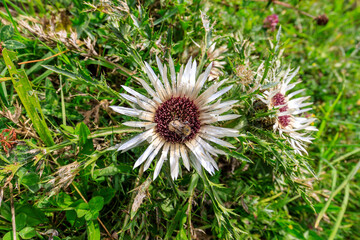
{"points": [[166, 16], [10, 17], [63, 109], [29, 99], [334, 193], [341, 213], [326, 117], [345, 156]]}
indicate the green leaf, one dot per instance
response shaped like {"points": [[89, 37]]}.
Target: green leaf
{"points": [[6, 33], [71, 217], [112, 170], [106, 193], [91, 215], [9, 236], [69, 129], [86, 145], [31, 181], [93, 230], [29, 99], [83, 132], [34, 215], [27, 233], [82, 209], [5, 211], [96, 203], [63, 200], [13, 44], [20, 221], [182, 234]]}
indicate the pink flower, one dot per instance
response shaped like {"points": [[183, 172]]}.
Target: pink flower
{"points": [[271, 21]]}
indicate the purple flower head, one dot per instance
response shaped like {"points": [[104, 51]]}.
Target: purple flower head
{"points": [[271, 21]]}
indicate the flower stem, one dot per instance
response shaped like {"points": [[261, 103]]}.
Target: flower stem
{"points": [[12, 210]]}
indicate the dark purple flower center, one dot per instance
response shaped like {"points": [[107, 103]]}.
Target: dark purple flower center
{"points": [[180, 113], [277, 100]]}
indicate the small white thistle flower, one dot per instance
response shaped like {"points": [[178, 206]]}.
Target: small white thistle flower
{"points": [[294, 128], [216, 56], [177, 118]]}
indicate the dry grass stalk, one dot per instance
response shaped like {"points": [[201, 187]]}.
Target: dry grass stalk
{"points": [[141, 194], [64, 177], [13, 222], [52, 35]]}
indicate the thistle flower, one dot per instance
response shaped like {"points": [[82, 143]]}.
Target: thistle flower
{"points": [[271, 21], [177, 118], [216, 55], [292, 127]]}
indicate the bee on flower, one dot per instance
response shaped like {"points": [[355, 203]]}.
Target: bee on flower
{"points": [[177, 118]]}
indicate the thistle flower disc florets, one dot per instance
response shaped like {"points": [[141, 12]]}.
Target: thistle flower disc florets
{"points": [[177, 118], [182, 110], [280, 100]]}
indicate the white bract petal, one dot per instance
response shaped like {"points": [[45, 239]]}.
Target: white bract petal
{"points": [[147, 152], [219, 131], [161, 160], [140, 96], [184, 157], [145, 125], [126, 111], [135, 141]]}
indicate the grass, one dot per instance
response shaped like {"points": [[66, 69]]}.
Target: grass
{"points": [[63, 177]]}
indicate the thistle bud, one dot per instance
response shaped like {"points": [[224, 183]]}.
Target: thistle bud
{"points": [[245, 75], [322, 20]]}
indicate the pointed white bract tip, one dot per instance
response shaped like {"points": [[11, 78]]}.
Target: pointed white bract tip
{"points": [[190, 59], [154, 177]]}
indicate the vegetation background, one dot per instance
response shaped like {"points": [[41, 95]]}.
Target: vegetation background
{"points": [[60, 178]]}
